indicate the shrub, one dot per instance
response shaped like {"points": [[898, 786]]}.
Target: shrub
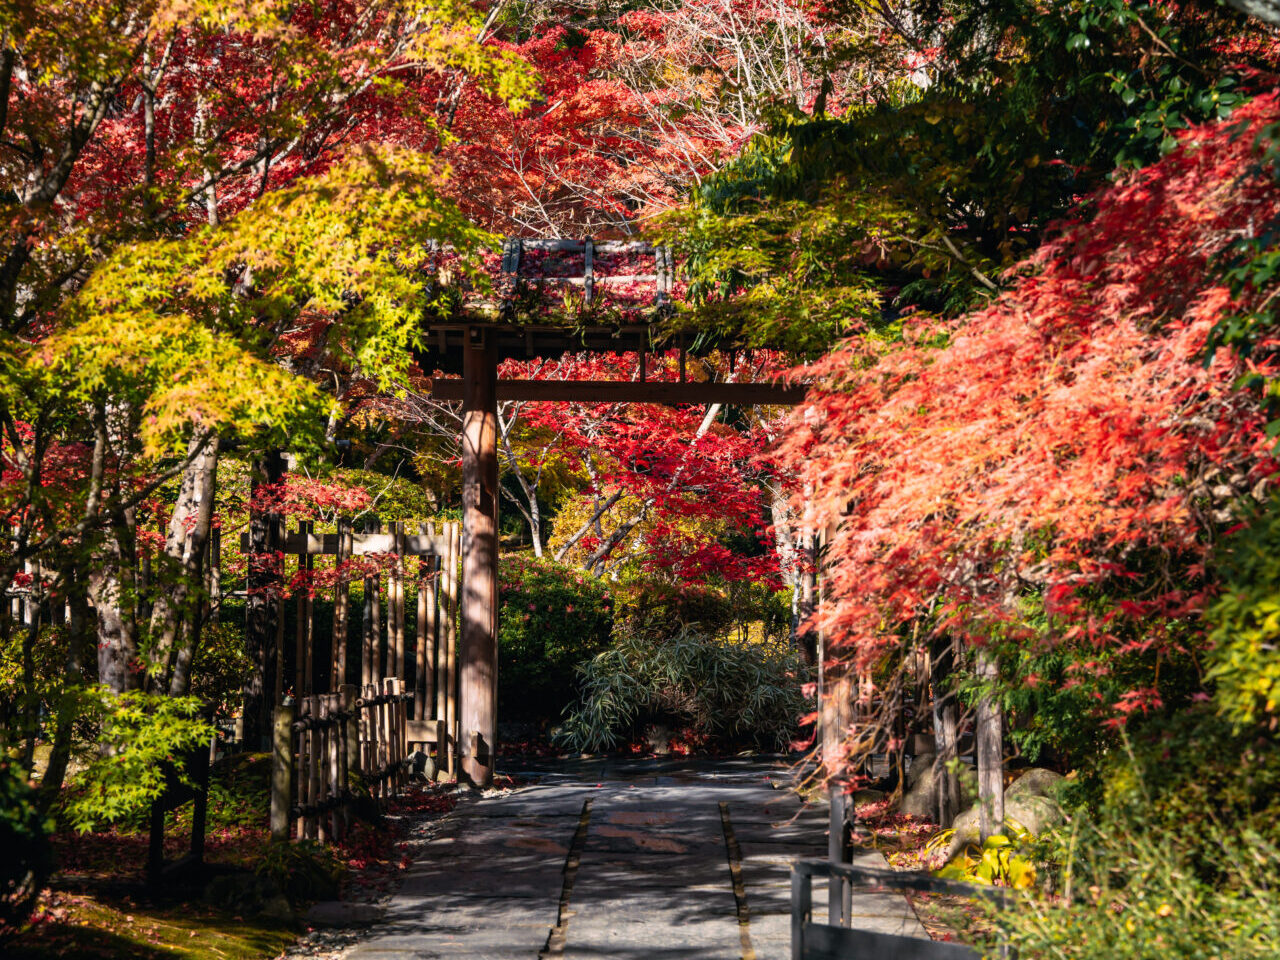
{"points": [[143, 735], [24, 838], [303, 870], [652, 608], [553, 618], [1177, 858], [732, 693]]}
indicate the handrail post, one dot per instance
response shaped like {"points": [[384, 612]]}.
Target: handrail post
{"points": [[839, 889], [801, 908]]}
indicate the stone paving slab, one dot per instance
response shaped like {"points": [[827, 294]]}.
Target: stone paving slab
{"points": [[653, 878]]}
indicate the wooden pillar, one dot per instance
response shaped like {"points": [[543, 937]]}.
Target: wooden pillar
{"points": [[478, 653]]}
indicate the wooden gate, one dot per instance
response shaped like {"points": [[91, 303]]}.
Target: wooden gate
{"points": [[422, 661]]}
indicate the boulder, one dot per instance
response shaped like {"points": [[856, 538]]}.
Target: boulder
{"points": [[659, 737], [1034, 814], [968, 832], [277, 908], [1036, 782], [918, 800]]}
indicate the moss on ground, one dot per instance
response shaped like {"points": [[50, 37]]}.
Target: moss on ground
{"points": [[90, 927]]}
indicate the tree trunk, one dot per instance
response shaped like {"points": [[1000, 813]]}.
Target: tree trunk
{"points": [[114, 589], [806, 598], [176, 617], [990, 746], [946, 735], [206, 482], [262, 610]]}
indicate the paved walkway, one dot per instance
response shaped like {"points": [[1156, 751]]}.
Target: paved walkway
{"points": [[620, 860]]}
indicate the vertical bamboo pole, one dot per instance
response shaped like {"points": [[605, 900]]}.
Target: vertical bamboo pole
{"points": [[376, 657], [424, 688], [397, 731], [441, 617], [451, 647], [341, 606], [368, 738], [350, 747], [313, 766], [402, 745], [337, 778], [322, 763], [371, 587], [396, 599], [302, 779]]}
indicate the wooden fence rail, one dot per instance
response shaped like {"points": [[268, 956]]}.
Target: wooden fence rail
{"points": [[321, 741]]}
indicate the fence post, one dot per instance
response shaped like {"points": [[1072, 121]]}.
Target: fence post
{"points": [[351, 727], [281, 771]]}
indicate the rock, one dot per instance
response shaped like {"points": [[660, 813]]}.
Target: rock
{"points": [[919, 799], [277, 908], [922, 743], [1036, 782], [921, 767], [1034, 814], [417, 761], [968, 831], [422, 764], [342, 913]]}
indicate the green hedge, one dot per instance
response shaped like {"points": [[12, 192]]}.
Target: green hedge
{"points": [[553, 617]]}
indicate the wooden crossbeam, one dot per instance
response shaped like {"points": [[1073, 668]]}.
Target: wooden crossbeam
{"points": [[605, 247], [614, 391], [414, 544]]}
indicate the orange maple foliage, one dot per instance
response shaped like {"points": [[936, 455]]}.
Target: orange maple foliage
{"points": [[1071, 433]]}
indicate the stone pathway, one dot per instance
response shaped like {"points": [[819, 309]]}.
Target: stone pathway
{"points": [[620, 860]]}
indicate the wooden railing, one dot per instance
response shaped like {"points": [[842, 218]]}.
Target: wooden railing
{"points": [[839, 939], [321, 741]]}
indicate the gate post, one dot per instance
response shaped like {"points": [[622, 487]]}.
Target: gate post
{"points": [[477, 726]]}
